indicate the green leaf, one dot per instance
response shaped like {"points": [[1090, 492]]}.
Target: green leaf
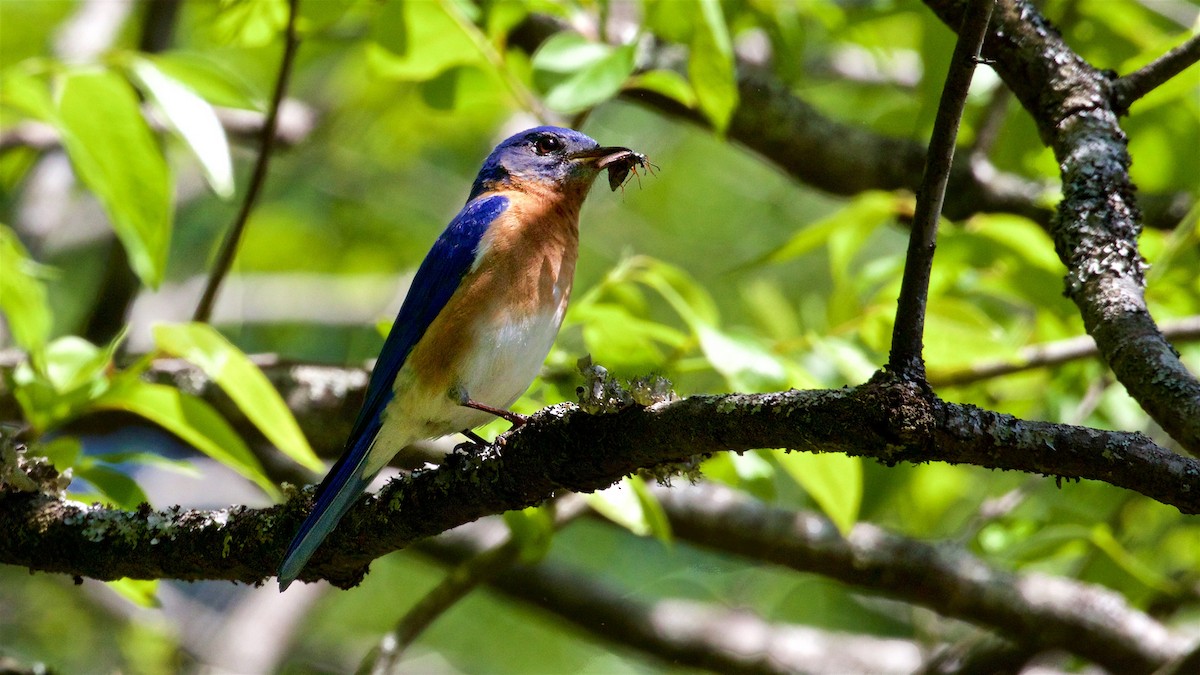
{"points": [[833, 480], [116, 486], [746, 364], [27, 93], [179, 466], [668, 83], [654, 514], [569, 52], [194, 120], [863, 213], [141, 592], [210, 79], [958, 333], [631, 506], [71, 362], [243, 381], [532, 530], [711, 65], [62, 451], [1102, 537], [417, 41], [686, 296], [189, 418], [576, 74], [22, 293], [250, 23], [60, 380], [617, 338], [115, 155]]}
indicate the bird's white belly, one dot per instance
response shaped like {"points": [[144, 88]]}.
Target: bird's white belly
{"points": [[512, 355], [508, 356]]}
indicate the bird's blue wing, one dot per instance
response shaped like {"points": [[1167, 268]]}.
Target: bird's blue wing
{"points": [[436, 280]]}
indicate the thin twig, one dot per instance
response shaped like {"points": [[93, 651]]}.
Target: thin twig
{"points": [[233, 237], [1131, 87], [1053, 354], [905, 358], [466, 577], [990, 123]]}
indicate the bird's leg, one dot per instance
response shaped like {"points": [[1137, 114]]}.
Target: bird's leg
{"points": [[515, 419], [464, 399]]}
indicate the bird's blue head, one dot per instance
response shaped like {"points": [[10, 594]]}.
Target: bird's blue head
{"points": [[563, 158]]}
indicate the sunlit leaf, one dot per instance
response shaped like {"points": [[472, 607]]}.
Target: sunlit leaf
{"points": [[632, 508], [711, 67], [206, 76], [195, 121], [141, 592], [532, 530], [243, 381], [617, 338], [575, 73], [668, 83], [864, 212], [115, 486], [417, 41], [22, 293], [652, 510], [62, 451], [833, 480], [191, 419], [250, 23], [26, 92], [745, 363], [114, 153], [61, 379]]}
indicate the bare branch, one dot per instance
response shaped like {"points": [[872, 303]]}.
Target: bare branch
{"points": [[233, 237], [1033, 609], [681, 632], [1128, 89], [1053, 354], [906, 359]]}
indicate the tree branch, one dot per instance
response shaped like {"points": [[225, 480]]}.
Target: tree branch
{"points": [[563, 447], [1053, 354], [233, 237], [681, 632], [908, 330], [1097, 223], [1034, 609], [1128, 89]]}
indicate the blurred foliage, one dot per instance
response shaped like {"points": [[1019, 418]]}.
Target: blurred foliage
{"points": [[718, 272]]}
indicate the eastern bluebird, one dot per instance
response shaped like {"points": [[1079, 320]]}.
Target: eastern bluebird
{"points": [[480, 317]]}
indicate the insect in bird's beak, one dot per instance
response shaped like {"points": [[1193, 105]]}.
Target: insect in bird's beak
{"points": [[619, 162]]}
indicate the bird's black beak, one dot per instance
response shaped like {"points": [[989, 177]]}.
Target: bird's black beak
{"points": [[605, 155]]}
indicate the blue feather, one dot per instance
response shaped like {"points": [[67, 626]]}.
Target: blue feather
{"points": [[435, 282]]}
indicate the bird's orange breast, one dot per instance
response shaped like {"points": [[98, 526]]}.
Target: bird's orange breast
{"points": [[522, 276]]}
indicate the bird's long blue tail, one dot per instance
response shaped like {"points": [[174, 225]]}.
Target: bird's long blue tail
{"points": [[336, 494]]}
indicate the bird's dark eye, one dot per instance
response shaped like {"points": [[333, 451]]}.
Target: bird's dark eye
{"points": [[545, 145]]}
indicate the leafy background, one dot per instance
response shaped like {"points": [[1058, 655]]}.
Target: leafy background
{"points": [[717, 271]]}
